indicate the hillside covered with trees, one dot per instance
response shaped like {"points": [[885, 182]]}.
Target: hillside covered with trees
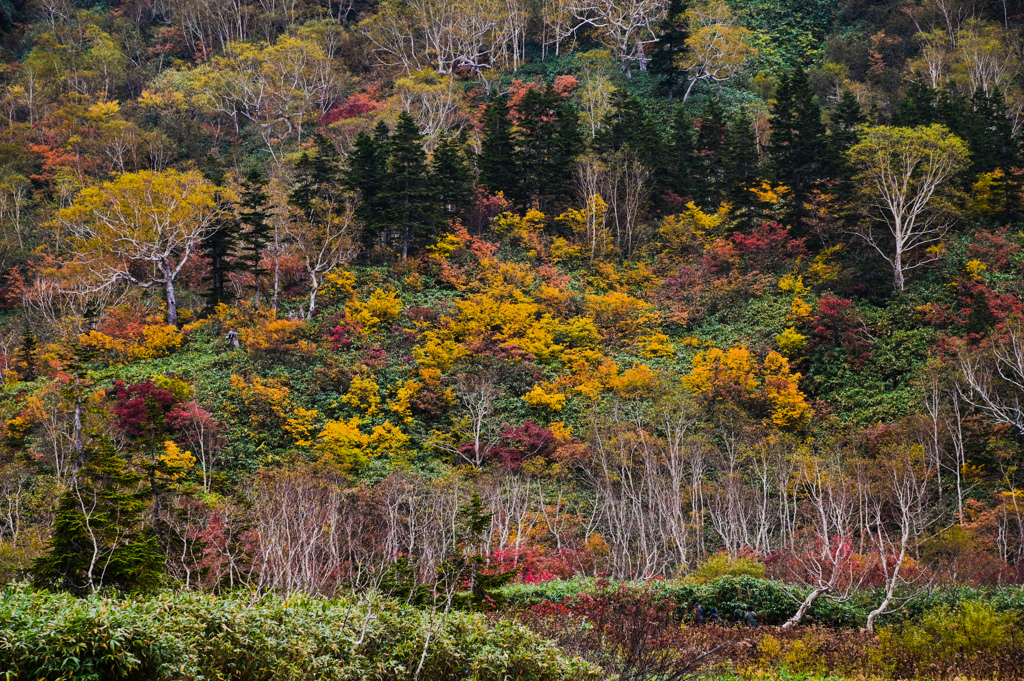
{"points": [[569, 312]]}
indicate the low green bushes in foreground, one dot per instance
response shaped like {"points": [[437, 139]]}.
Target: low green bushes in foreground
{"points": [[200, 636], [773, 601]]}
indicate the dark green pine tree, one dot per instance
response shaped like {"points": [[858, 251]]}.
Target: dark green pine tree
{"points": [[219, 245], [843, 133], [843, 124], [412, 207], [451, 177], [740, 166], [709, 145], [629, 127], [254, 225], [317, 176], [497, 160], [917, 106], [366, 177], [99, 537], [28, 355], [547, 140], [682, 160], [797, 139], [475, 520], [991, 138], [671, 44]]}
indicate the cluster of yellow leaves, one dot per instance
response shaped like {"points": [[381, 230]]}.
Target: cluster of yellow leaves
{"points": [[269, 405], [541, 398], [344, 443], [363, 393], [157, 341], [637, 383], [176, 462], [589, 225], [526, 230], [974, 268], [382, 307], [276, 335], [790, 342], [691, 230], [988, 194], [735, 375], [621, 316]]}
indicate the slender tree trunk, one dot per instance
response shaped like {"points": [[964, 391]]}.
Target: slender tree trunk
{"points": [[277, 266], [897, 269], [804, 607], [314, 288], [172, 301]]}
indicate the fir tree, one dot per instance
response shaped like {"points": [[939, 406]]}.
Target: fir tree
{"points": [[628, 126], [99, 538], [254, 223], [497, 160], [366, 177], [709, 146], [671, 44], [411, 205], [797, 138], [682, 155], [916, 108], [548, 140], [317, 176], [475, 520], [219, 245], [843, 124], [740, 165], [451, 177], [28, 355]]}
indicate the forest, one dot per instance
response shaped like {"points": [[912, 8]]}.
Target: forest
{"points": [[511, 339]]}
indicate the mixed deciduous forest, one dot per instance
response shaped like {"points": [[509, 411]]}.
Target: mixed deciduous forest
{"points": [[494, 339]]}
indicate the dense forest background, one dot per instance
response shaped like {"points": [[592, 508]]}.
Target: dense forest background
{"points": [[431, 296]]}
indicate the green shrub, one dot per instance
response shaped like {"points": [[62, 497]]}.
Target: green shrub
{"points": [[972, 633], [244, 638], [724, 565]]}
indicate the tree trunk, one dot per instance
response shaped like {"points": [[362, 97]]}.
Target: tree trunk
{"points": [[804, 607], [172, 301], [277, 265], [314, 288], [897, 271]]}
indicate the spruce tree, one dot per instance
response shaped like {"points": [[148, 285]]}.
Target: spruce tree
{"points": [[254, 224], [628, 126], [709, 145], [28, 355], [797, 145], [547, 141], [366, 177], [497, 159], [682, 156], [317, 176], [451, 177], [797, 138], [843, 124], [671, 44], [411, 205], [99, 538], [218, 246], [740, 165], [917, 106]]}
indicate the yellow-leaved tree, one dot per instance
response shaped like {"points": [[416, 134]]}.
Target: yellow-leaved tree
{"points": [[141, 229]]}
